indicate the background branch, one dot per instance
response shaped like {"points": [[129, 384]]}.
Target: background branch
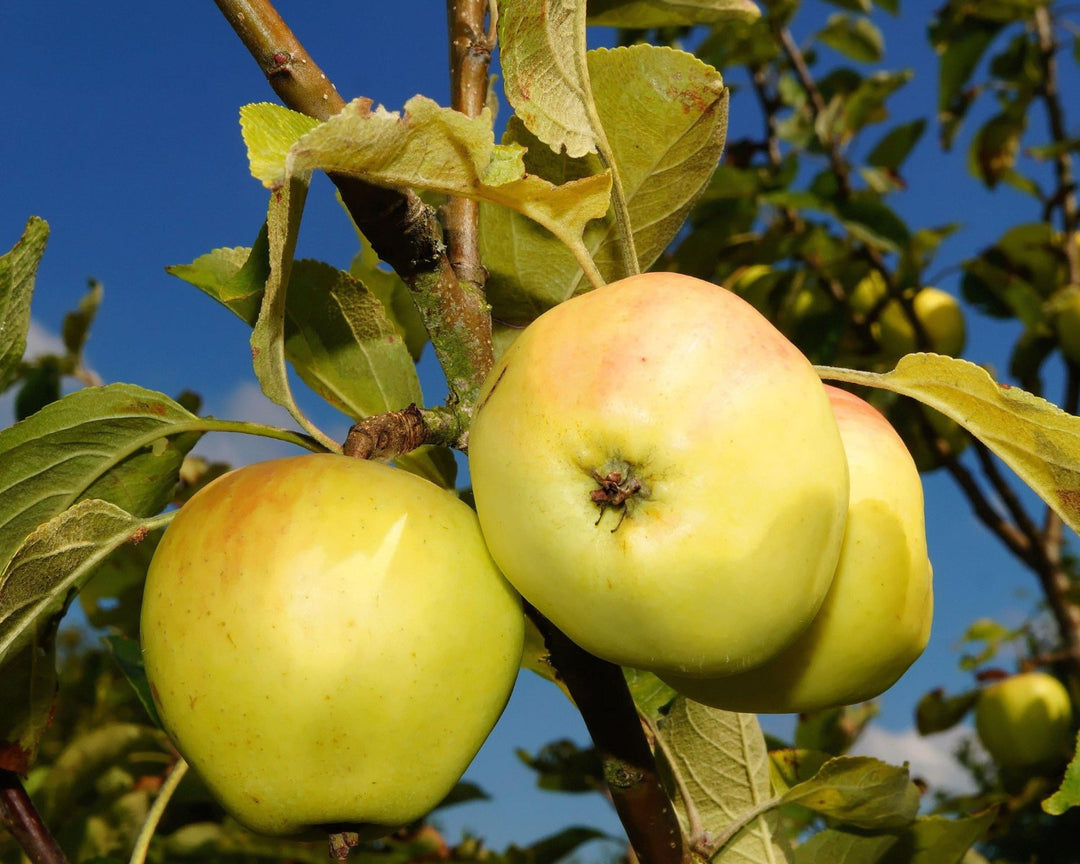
{"points": [[402, 230]]}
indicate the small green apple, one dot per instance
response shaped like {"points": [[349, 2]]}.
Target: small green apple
{"points": [[1067, 324], [658, 470], [940, 315], [876, 618], [328, 642], [1025, 720]]}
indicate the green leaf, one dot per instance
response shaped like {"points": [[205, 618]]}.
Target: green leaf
{"points": [[554, 847], [720, 759], [994, 147], [651, 695], [645, 14], [113, 596], [666, 141], [41, 386], [891, 151], [438, 150], [833, 730], [102, 442], [395, 297], [836, 846], [937, 712], [76, 325], [937, 840], [542, 50], [562, 766], [35, 588], [18, 269], [790, 766], [853, 36], [1068, 794], [871, 220], [859, 791], [269, 131], [462, 793], [959, 50], [1035, 438], [128, 656]]}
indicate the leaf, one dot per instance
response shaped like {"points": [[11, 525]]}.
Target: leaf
{"points": [[874, 222], [76, 324], [438, 150], [1068, 794], [937, 712], [854, 37], [959, 48], [395, 297], [790, 766], [554, 847], [835, 846], [860, 791], [128, 656], [651, 695], [891, 151], [40, 387], [994, 148], [721, 761], [645, 14], [562, 766], [937, 840], [101, 442], [462, 793], [542, 50], [269, 139], [1035, 438], [666, 138], [18, 269], [35, 588]]}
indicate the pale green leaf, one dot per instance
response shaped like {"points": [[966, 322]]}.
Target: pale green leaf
{"points": [[835, 846], [269, 130], [666, 141], [542, 50], [853, 36], [720, 760], [1068, 794], [395, 296], [938, 840], [35, 588], [120, 443], [1038, 440], [18, 268], [644, 14], [651, 695], [859, 791]]}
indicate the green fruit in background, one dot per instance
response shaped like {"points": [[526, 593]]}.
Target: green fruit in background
{"points": [[902, 413], [941, 317], [328, 642], [1067, 324], [1025, 720], [875, 621], [658, 470]]}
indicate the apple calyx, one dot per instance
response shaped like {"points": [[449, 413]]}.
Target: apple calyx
{"points": [[618, 489]]}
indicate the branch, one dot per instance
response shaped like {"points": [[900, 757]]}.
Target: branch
{"points": [[19, 816], [599, 690], [402, 230], [384, 436]]}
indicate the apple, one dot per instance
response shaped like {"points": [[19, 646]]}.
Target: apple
{"points": [[940, 315], [875, 621], [657, 469], [1025, 720], [328, 642]]}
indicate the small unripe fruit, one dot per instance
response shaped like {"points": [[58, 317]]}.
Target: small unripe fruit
{"points": [[1025, 721]]}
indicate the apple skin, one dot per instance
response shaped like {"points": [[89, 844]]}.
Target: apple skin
{"points": [[725, 553], [941, 317], [328, 642], [1025, 720], [875, 621]]}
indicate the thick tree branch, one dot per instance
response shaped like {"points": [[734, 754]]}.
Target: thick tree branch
{"points": [[19, 816], [402, 230], [599, 690]]}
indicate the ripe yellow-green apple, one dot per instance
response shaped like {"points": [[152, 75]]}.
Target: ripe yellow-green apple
{"points": [[1025, 720], [875, 621], [941, 318], [658, 470], [328, 642]]}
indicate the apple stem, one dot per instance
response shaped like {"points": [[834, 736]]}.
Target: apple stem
{"points": [[599, 690], [19, 816]]}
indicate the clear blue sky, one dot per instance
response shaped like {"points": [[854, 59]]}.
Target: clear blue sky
{"points": [[121, 130]]}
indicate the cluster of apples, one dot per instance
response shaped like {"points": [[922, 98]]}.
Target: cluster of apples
{"points": [[656, 468]]}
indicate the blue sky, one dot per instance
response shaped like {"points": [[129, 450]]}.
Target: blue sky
{"points": [[122, 132]]}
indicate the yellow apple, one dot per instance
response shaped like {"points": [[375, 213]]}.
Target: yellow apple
{"points": [[658, 470], [1025, 720], [328, 642], [940, 315], [875, 620]]}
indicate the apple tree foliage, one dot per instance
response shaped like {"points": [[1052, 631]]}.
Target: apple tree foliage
{"points": [[613, 161]]}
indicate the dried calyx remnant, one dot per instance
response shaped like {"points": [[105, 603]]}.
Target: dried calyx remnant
{"points": [[619, 489]]}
